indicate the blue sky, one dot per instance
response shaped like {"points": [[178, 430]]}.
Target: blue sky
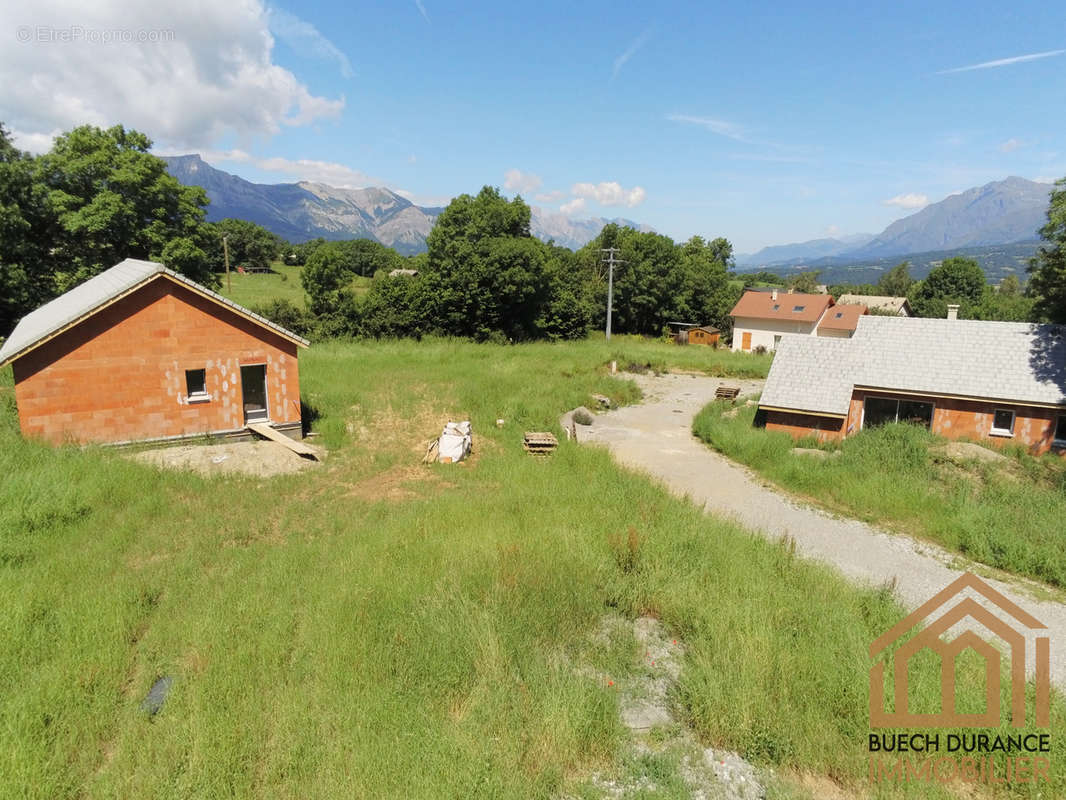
{"points": [[766, 125]]}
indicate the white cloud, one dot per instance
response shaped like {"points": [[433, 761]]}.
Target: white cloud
{"points": [[908, 201], [575, 205], [305, 38], [523, 182], [1010, 146], [832, 230], [204, 71], [422, 10], [721, 127], [609, 193], [1003, 62], [630, 51], [301, 169], [411, 159], [553, 196], [36, 143]]}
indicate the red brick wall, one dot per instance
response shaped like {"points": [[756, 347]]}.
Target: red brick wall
{"points": [[970, 419], [799, 425], [120, 375]]}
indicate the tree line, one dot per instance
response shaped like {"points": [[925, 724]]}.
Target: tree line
{"points": [[485, 277]]}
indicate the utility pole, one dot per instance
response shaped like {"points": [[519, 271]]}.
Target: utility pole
{"points": [[611, 261], [225, 249]]}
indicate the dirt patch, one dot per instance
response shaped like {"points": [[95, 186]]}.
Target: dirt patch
{"points": [[259, 459], [822, 787], [407, 431], [394, 484], [968, 451]]}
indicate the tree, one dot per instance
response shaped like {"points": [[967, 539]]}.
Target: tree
{"points": [[804, 282], [27, 229], [112, 199], [1010, 286], [250, 245], [484, 274], [711, 298], [958, 280], [897, 282], [1048, 267], [326, 278]]}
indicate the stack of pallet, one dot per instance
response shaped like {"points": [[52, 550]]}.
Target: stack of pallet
{"points": [[539, 443]]}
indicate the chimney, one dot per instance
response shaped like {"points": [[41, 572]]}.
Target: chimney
{"points": [[773, 294], [953, 311], [790, 289]]}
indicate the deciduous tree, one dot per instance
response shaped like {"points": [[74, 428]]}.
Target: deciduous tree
{"points": [[1048, 268]]}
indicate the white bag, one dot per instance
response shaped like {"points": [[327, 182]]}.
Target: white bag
{"points": [[454, 443]]}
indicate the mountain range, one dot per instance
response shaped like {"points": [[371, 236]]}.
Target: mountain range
{"points": [[998, 213], [301, 211]]}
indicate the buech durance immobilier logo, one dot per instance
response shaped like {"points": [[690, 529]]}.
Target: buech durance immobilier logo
{"points": [[953, 744]]}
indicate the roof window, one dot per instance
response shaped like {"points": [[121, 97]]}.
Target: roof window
{"points": [[797, 309]]}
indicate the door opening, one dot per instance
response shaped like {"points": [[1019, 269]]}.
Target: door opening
{"points": [[254, 393]]}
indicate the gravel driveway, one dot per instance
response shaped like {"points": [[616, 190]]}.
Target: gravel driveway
{"points": [[656, 437]]}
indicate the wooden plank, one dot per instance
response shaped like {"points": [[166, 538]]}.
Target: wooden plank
{"points": [[264, 430]]}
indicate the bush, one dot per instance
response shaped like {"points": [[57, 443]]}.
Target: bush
{"points": [[288, 315]]}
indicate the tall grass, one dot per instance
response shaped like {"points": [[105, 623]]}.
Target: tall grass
{"points": [[375, 628], [1006, 516]]}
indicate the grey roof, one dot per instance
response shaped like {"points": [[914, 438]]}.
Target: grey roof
{"points": [[1007, 361], [810, 373], [87, 297]]}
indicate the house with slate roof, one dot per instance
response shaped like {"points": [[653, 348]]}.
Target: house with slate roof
{"points": [[140, 353], [962, 379]]}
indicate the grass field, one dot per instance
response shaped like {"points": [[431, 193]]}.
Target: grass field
{"points": [[281, 283], [376, 628], [1009, 516]]}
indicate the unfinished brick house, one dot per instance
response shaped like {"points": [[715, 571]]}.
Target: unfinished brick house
{"points": [[963, 379], [141, 353]]}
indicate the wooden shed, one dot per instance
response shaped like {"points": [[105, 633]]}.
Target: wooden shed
{"points": [[141, 353], [704, 334]]}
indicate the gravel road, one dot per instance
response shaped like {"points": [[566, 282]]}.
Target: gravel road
{"points": [[656, 437]]}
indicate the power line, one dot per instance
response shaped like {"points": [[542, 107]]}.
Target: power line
{"points": [[611, 261]]}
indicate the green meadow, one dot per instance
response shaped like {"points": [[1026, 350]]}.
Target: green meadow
{"points": [[376, 628], [254, 290]]}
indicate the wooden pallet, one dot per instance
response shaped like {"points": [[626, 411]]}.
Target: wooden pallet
{"points": [[726, 392], [539, 443]]}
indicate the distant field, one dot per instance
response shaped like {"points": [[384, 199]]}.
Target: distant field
{"points": [[1006, 515], [283, 282], [378, 628]]}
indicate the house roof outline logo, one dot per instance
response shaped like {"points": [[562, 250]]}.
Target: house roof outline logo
{"points": [[1014, 635]]}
